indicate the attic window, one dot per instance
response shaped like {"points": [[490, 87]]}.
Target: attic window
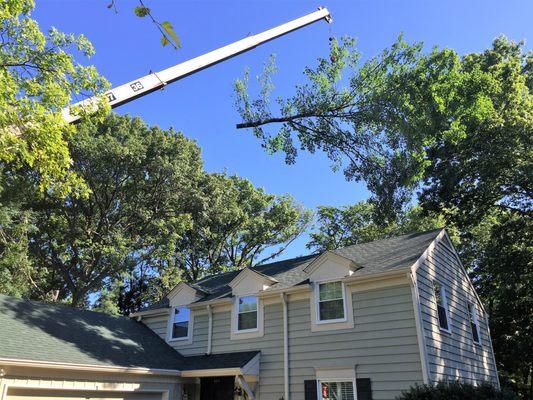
{"points": [[474, 324], [180, 323], [331, 305], [247, 313], [442, 306]]}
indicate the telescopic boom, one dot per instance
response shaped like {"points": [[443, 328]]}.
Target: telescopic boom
{"points": [[157, 80]]}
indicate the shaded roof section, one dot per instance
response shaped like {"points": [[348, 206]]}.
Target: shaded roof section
{"points": [[31, 330], [216, 361], [389, 254], [372, 258]]}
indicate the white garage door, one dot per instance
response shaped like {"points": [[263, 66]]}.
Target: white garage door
{"points": [[45, 394]]}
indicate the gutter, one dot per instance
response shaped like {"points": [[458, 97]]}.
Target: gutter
{"points": [[157, 311], [285, 346], [87, 367]]}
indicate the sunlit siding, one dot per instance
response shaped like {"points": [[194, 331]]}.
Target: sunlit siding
{"points": [[453, 355], [382, 345]]}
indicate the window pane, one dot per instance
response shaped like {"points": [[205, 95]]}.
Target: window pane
{"points": [[247, 320], [180, 326], [181, 314], [473, 324], [248, 303], [443, 320], [180, 329], [337, 391], [330, 291], [438, 293], [333, 309]]}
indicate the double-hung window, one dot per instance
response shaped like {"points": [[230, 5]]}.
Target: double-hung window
{"points": [[442, 306], [180, 323], [331, 306], [474, 324], [247, 313], [341, 390]]}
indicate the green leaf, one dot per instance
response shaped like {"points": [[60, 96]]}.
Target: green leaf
{"points": [[169, 30], [164, 40], [141, 11]]}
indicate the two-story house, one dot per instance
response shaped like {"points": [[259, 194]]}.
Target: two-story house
{"points": [[362, 322]]}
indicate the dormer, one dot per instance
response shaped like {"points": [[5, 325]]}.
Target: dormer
{"points": [[331, 300], [247, 311], [249, 281], [330, 266], [181, 319]]}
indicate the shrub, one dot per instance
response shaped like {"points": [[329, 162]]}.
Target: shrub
{"points": [[456, 391]]}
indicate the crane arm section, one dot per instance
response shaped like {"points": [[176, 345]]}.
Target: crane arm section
{"points": [[157, 80]]}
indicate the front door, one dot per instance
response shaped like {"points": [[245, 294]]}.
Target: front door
{"points": [[217, 388]]}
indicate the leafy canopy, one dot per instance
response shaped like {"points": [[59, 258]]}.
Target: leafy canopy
{"points": [[453, 132], [37, 79]]}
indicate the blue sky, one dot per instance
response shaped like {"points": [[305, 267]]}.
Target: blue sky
{"points": [[202, 105]]}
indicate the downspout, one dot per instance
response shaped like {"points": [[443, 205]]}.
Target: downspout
{"points": [[285, 346], [209, 329], [422, 347]]}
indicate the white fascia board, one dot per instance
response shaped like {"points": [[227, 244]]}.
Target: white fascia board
{"points": [[86, 367], [156, 311]]}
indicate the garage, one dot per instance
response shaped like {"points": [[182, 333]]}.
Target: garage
{"points": [[27, 394]]}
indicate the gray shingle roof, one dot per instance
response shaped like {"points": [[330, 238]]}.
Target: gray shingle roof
{"points": [[372, 258], [32, 330]]}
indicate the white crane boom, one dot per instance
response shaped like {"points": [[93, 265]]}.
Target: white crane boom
{"points": [[157, 80]]}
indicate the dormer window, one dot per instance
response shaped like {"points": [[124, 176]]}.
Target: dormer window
{"points": [[247, 313], [180, 323], [331, 302]]}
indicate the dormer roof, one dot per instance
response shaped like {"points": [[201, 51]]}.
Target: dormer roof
{"points": [[363, 259]]}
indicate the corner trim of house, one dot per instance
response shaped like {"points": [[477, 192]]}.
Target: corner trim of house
{"points": [[87, 367], [422, 347]]}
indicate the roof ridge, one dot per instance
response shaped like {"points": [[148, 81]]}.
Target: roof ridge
{"points": [[391, 237], [61, 305]]}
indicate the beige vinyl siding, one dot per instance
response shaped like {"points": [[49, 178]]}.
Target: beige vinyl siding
{"points": [[270, 345], [382, 345], [453, 355], [159, 325]]}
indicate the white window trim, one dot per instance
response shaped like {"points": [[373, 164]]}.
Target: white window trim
{"points": [[317, 302], [445, 305], [180, 340], [472, 309], [329, 325], [246, 333], [238, 313], [320, 381]]}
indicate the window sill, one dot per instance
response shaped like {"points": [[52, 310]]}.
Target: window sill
{"points": [[331, 321], [180, 341], [243, 331], [247, 334], [445, 331]]}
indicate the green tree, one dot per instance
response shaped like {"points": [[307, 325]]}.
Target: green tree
{"points": [[140, 182], [344, 226], [234, 224], [457, 129], [37, 80]]}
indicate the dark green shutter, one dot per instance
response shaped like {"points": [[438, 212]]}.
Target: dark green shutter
{"points": [[364, 389], [310, 390]]}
